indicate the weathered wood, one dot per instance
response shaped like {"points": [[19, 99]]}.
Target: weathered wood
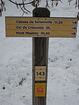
{"points": [[0, 12], [40, 56]]}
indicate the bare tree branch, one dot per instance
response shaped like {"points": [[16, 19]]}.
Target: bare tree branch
{"points": [[47, 5], [20, 3], [23, 4], [56, 2], [2, 7]]}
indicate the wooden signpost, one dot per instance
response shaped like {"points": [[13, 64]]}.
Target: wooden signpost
{"points": [[40, 62], [40, 27]]}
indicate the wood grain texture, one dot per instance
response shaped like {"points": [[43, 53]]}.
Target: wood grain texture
{"points": [[40, 56]]}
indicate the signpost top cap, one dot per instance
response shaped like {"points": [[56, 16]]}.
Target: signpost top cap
{"points": [[41, 12]]}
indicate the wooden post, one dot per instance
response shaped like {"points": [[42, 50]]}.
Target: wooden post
{"points": [[40, 62], [0, 12], [78, 4]]}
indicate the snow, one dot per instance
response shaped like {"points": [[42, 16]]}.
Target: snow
{"points": [[16, 64]]}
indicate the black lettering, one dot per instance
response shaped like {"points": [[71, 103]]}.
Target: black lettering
{"points": [[19, 32], [24, 27], [18, 27]]}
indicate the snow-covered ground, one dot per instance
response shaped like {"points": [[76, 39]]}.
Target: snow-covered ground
{"points": [[16, 64]]}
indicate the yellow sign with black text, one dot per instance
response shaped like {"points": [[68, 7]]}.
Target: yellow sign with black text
{"points": [[40, 27]]}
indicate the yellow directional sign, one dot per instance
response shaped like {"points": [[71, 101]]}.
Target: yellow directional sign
{"points": [[40, 27]]}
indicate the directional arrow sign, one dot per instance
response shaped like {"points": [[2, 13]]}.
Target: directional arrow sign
{"points": [[40, 27]]}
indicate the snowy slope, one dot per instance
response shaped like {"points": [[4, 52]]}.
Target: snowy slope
{"points": [[16, 64]]}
